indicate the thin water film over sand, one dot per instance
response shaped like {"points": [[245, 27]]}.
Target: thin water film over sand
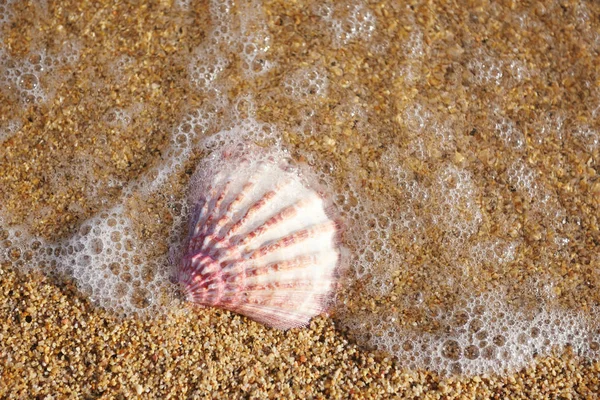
{"points": [[458, 142]]}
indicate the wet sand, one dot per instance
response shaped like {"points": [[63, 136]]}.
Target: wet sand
{"points": [[54, 343], [68, 160]]}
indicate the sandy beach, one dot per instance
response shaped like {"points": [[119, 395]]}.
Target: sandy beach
{"points": [[459, 142]]}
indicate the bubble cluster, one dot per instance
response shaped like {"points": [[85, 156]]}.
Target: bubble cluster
{"points": [[105, 259], [6, 12], [484, 335], [411, 72], [510, 135], [414, 46], [183, 4], [206, 66], [182, 141], [24, 78], [454, 206], [518, 71], [346, 22], [120, 67], [9, 129], [522, 178], [118, 117], [481, 334], [223, 21], [429, 137], [495, 253], [486, 68], [211, 58], [449, 203], [256, 40], [306, 83], [550, 126], [369, 239], [548, 217], [241, 35], [588, 138], [491, 68]]}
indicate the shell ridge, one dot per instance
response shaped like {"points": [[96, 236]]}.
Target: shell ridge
{"points": [[254, 209], [211, 200], [214, 216], [232, 207], [291, 239], [211, 245], [247, 216], [196, 223], [283, 265], [275, 220], [247, 188]]}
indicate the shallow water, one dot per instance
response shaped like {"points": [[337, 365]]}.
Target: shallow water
{"points": [[461, 145]]}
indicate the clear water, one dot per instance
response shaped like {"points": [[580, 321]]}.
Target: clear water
{"points": [[467, 194]]}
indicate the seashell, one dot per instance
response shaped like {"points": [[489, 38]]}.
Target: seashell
{"points": [[261, 243]]}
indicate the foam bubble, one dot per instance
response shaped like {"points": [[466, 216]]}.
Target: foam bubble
{"points": [[484, 335], [118, 117], [6, 12], [9, 129], [346, 22], [106, 260], [429, 137], [494, 252], [546, 215], [486, 68], [183, 4], [518, 71], [550, 126], [243, 35], [206, 66], [120, 67], [255, 40], [588, 138], [306, 83], [508, 132], [33, 78], [454, 204], [414, 45], [182, 142]]}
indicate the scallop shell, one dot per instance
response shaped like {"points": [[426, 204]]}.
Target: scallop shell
{"points": [[261, 244]]}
